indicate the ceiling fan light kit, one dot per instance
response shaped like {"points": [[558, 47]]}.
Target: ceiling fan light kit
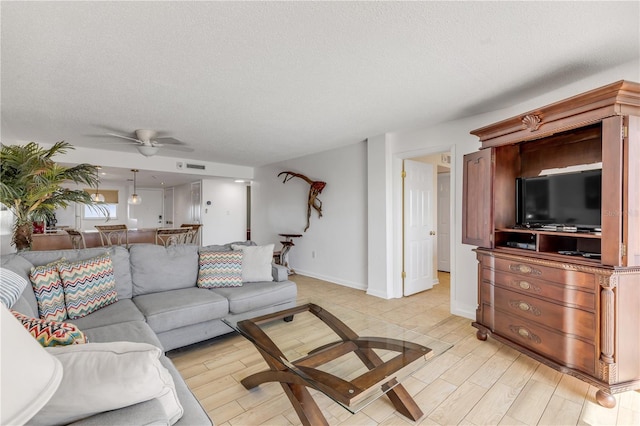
{"points": [[147, 151], [134, 199]]}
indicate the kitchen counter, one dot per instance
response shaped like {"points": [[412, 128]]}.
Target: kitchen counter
{"points": [[59, 239]]}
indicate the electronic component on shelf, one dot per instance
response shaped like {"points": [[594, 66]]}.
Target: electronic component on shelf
{"points": [[526, 246], [560, 228], [570, 252]]}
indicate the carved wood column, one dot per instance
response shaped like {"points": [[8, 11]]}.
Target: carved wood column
{"points": [[608, 367]]}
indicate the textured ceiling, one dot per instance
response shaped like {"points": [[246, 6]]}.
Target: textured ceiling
{"points": [[252, 83]]}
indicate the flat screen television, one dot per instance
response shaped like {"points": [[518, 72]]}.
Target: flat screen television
{"points": [[567, 199]]}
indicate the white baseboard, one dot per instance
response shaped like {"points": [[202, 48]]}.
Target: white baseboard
{"points": [[380, 294], [464, 311], [334, 280]]}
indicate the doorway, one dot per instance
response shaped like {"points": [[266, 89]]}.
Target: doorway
{"points": [[168, 207], [441, 158]]}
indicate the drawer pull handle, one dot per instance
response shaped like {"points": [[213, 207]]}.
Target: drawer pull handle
{"points": [[526, 285], [524, 269], [525, 333], [524, 306]]}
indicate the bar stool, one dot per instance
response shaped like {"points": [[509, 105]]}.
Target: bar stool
{"points": [[113, 235], [172, 236], [77, 238], [194, 236]]}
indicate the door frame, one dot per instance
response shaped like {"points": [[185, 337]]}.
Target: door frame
{"points": [[397, 200]]}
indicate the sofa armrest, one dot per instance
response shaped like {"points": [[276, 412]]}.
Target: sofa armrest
{"points": [[279, 272]]}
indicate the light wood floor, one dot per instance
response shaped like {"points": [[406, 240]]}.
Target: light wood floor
{"points": [[474, 383]]}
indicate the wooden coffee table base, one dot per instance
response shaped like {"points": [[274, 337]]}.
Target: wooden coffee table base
{"points": [[346, 392]]}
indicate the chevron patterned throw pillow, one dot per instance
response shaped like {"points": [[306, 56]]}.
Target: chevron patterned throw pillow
{"points": [[220, 269], [47, 287], [88, 285], [51, 333]]}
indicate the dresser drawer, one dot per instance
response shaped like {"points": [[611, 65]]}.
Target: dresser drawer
{"points": [[557, 317], [567, 295], [559, 275], [562, 348]]}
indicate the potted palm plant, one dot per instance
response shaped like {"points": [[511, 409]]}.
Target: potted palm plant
{"points": [[31, 186]]}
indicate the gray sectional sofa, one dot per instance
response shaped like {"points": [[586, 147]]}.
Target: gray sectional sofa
{"points": [[159, 303]]}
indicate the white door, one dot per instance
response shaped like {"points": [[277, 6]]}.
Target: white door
{"points": [[419, 231], [196, 197], [149, 213], [444, 244], [168, 208]]}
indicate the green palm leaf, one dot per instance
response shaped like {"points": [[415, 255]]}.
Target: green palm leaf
{"points": [[31, 185]]}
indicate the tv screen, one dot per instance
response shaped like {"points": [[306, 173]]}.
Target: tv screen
{"points": [[568, 199]]}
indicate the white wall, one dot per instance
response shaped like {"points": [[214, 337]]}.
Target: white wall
{"points": [[379, 217], [225, 220], [338, 239]]}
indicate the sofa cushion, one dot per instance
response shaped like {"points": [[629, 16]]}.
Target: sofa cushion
{"points": [[119, 312], [88, 285], [155, 268], [219, 269], [179, 308], [106, 376], [132, 331], [47, 286], [119, 257], [257, 295], [216, 247], [51, 333], [11, 287]]}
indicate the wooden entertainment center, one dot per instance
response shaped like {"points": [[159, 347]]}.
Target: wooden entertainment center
{"points": [[579, 314]]}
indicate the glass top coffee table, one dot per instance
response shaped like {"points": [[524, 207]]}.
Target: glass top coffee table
{"points": [[351, 357]]}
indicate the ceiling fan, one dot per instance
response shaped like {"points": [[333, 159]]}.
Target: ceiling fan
{"points": [[148, 144]]}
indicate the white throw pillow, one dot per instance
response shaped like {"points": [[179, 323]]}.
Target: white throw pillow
{"points": [[100, 377], [256, 262]]}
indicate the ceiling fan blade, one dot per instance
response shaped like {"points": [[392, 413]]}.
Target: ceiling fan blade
{"points": [[178, 148], [169, 141], [124, 137]]}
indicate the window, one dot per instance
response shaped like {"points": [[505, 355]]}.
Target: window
{"points": [[111, 204], [91, 212]]}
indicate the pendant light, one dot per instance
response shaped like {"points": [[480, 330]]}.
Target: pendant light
{"points": [[134, 198], [98, 197]]}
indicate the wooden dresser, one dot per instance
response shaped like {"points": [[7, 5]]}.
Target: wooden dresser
{"points": [[579, 315]]}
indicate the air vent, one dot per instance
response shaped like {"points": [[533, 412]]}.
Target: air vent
{"points": [[195, 166]]}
